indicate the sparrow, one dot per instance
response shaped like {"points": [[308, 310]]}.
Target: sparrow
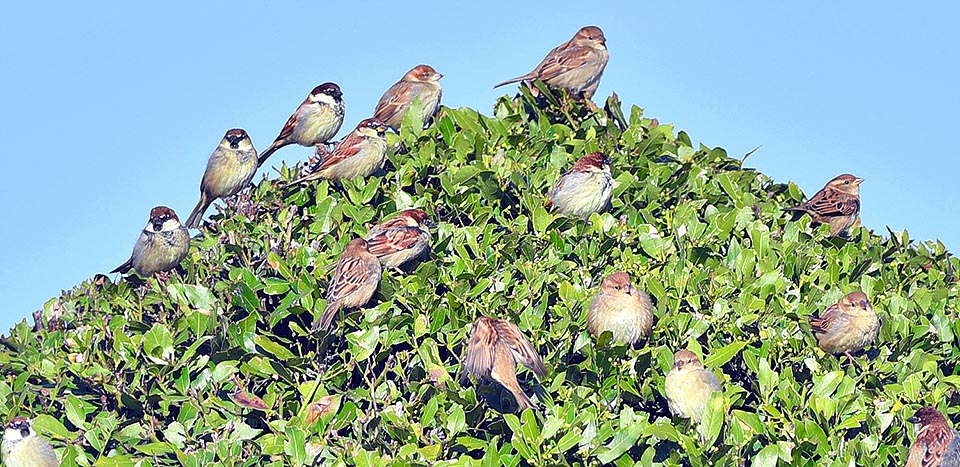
{"points": [[575, 65], [354, 281], [496, 345], [837, 204], [400, 239], [163, 243], [316, 121], [358, 155], [22, 447], [688, 386], [846, 326], [937, 444], [585, 189], [423, 82], [621, 309], [229, 169]]}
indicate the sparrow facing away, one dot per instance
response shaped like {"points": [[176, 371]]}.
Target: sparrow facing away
{"points": [[22, 447], [162, 244], [496, 345], [316, 120], [585, 189], [229, 169], [837, 204], [423, 82], [575, 65], [688, 386], [358, 155], [621, 309], [401, 239], [846, 326], [354, 281], [937, 444]]}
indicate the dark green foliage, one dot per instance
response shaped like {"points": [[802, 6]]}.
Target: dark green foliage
{"points": [[143, 372]]}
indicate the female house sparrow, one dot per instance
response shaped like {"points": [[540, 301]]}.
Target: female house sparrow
{"points": [[22, 447], [316, 120], [423, 82], [621, 309], [400, 239], [937, 444], [163, 243], [688, 386], [585, 189], [229, 169], [496, 345], [354, 281], [575, 65], [358, 155], [837, 204], [846, 326]]}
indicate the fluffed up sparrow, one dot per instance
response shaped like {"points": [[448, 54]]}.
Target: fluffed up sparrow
{"points": [[495, 347], [401, 239], [575, 65], [937, 444], [316, 120], [229, 169], [585, 189], [837, 204], [354, 281], [621, 309], [846, 326], [423, 82], [688, 386], [22, 447], [162, 244], [359, 155]]}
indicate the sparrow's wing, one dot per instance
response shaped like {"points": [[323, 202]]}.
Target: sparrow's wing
{"points": [[929, 448], [821, 324], [832, 203], [917, 452], [347, 147], [288, 127], [480, 351], [352, 272], [392, 240], [521, 348], [561, 61], [394, 101], [123, 268]]}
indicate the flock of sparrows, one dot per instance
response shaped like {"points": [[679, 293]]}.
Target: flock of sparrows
{"points": [[495, 346]]}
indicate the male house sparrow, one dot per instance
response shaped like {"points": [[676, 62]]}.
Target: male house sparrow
{"points": [[688, 386], [162, 244], [423, 82], [316, 120], [585, 189], [358, 155], [400, 239], [621, 309], [22, 447], [575, 65], [937, 444], [229, 169], [837, 204], [495, 347], [354, 281], [846, 326]]}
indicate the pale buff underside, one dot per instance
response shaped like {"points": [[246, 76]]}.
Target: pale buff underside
{"points": [[316, 127], [689, 390], [29, 452], [583, 193], [628, 318], [850, 333], [395, 260], [228, 172]]}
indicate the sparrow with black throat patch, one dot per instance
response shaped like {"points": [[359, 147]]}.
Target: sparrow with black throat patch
{"points": [[359, 155], [162, 244], [316, 120], [22, 447], [229, 169]]}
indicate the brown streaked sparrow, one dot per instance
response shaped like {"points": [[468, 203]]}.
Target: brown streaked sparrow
{"points": [[229, 169], [316, 120], [162, 244], [846, 326], [401, 239], [937, 444], [354, 281], [837, 204], [495, 347], [423, 82], [575, 65], [359, 155]]}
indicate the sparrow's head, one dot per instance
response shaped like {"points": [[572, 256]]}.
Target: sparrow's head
{"points": [[592, 161], [855, 302], [163, 218], [422, 73], [356, 246], [236, 139], [416, 215], [846, 183], [372, 125], [686, 359], [617, 284], [928, 416], [18, 429], [590, 36], [328, 93]]}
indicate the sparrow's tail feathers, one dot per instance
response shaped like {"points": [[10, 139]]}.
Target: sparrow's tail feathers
{"points": [[193, 222], [523, 401], [512, 80], [797, 211], [326, 318], [267, 153], [123, 268]]}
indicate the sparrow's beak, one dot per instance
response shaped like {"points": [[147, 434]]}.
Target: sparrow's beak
{"points": [[857, 181], [381, 128], [913, 419], [157, 224], [437, 76], [629, 289], [430, 223]]}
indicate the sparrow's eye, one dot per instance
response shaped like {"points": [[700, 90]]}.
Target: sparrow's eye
{"points": [[846, 182]]}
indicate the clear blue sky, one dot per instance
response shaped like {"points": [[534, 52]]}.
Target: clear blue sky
{"points": [[109, 110]]}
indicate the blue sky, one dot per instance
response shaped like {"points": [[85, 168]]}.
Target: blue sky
{"points": [[114, 108]]}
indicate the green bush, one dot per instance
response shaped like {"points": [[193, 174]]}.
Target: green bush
{"points": [[143, 373]]}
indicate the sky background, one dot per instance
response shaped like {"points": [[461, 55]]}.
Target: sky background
{"points": [[111, 109]]}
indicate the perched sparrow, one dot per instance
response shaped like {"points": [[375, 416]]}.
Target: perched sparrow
{"points": [[22, 447], [621, 309], [937, 445], [358, 155], [575, 65], [584, 189], [496, 345], [354, 281], [163, 243], [837, 204], [688, 386], [423, 82], [400, 239], [846, 326], [316, 120], [229, 169]]}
